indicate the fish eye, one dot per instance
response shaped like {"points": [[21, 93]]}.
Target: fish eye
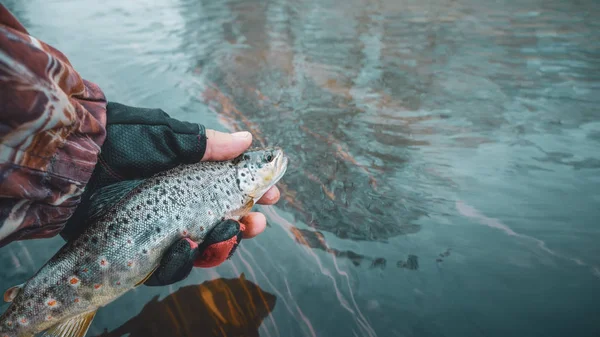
{"points": [[269, 158]]}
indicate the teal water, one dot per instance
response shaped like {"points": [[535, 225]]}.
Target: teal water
{"points": [[445, 171]]}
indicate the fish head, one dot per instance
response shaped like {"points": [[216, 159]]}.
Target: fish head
{"points": [[260, 169]]}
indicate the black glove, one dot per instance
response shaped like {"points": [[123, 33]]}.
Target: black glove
{"points": [[143, 142]]}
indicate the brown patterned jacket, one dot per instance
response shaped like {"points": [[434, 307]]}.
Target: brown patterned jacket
{"points": [[52, 125]]}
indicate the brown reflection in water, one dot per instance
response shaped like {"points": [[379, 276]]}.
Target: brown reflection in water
{"points": [[221, 307], [316, 239]]}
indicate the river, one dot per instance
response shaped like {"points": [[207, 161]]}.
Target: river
{"points": [[444, 160]]}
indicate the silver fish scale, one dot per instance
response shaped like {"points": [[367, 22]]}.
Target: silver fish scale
{"points": [[124, 245]]}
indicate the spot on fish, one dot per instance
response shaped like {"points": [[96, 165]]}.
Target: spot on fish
{"points": [[51, 302], [81, 253], [201, 228], [184, 232], [85, 270], [97, 286], [111, 226], [129, 242], [177, 217], [209, 212], [23, 321], [103, 262], [130, 264], [76, 300], [157, 229], [49, 317], [144, 251], [118, 283], [74, 281]]}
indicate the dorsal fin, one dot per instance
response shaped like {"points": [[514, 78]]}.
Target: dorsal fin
{"points": [[74, 327], [106, 197], [12, 292]]}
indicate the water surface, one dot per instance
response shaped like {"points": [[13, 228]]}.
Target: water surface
{"points": [[444, 174]]}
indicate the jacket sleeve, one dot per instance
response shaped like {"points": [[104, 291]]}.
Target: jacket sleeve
{"points": [[52, 125]]}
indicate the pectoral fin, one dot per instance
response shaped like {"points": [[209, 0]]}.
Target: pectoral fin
{"points": [[146, 278], [106, 197], [244, 209], [75, 327], [11, 293]]}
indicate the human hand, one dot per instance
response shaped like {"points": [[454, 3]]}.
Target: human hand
{"points": [[143, 142]]}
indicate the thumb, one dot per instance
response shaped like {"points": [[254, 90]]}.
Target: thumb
{"points": [[225, 146]]}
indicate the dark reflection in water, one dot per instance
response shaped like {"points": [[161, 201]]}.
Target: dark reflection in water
{"points": [[316, 240], [221, 307], [300, 89]]}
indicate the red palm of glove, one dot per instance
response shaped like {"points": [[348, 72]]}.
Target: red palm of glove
{"points": [[178, 261], [220, 246]]}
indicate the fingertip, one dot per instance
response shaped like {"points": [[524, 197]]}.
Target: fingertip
{"points": [[255, 223], [193, 245], [225, 146]]}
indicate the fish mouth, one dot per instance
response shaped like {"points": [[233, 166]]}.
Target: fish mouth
{"points": [[281, 164]]}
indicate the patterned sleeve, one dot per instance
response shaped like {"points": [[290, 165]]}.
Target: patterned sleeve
{"points": [[52, 124]]}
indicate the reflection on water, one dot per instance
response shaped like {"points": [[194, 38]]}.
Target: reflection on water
{"points": [[221, 307], [444, 169]]}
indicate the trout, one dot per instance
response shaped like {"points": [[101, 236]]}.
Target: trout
{"points": [[131, 225]]}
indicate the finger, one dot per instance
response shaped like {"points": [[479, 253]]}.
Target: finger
{"points": [[271, 197], [255, 223], [225, 146]]}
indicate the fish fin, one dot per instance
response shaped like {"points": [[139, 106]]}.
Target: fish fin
{"points": [[107, 196], [11, 293], [75, 327], [244, 209], [146, 278]]}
